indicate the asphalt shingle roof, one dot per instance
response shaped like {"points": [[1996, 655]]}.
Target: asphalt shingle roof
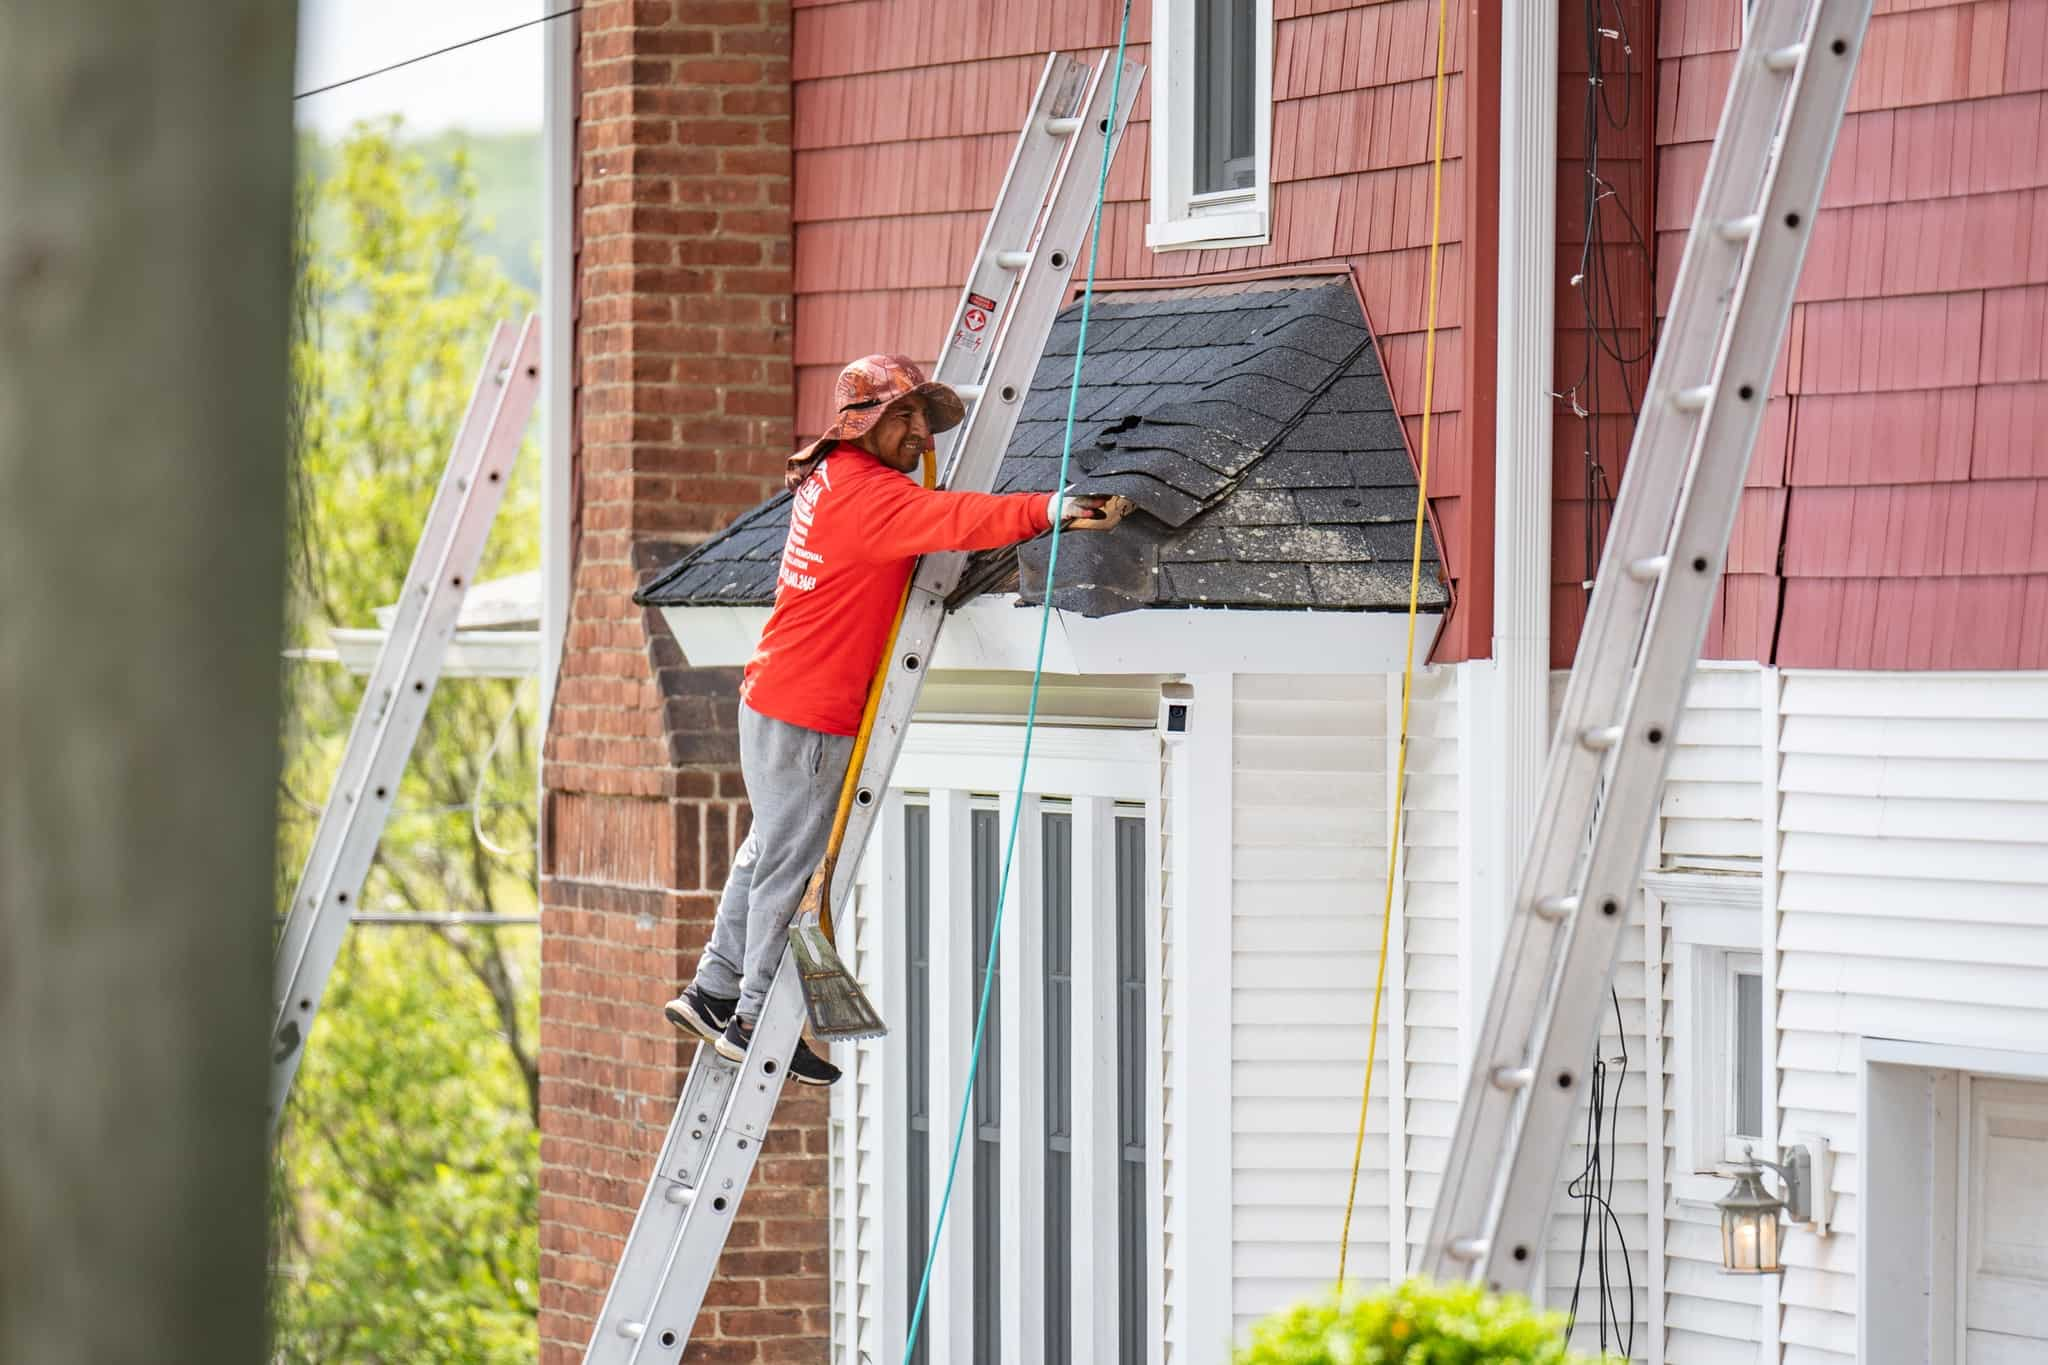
{"points": [[1252, 427]]}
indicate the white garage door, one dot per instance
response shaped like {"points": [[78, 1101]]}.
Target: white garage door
{"points": [[2004, 1230]]}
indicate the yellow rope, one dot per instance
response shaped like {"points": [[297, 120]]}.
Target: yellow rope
{"points": [[1436, 214]]}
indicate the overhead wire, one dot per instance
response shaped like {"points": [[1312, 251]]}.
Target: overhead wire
{"points": [[988, 975], [437, 52], [1379, 990]]}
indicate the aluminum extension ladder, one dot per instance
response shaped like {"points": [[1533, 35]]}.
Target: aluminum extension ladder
{"points": [[1034, 239], [400, 686], [1644, 627]]}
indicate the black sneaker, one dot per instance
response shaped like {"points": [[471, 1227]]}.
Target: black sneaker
{"points": [[700, 1013], [805, 1068]]}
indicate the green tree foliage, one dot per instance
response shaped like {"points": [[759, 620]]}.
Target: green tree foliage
{"points": [[407, 1167], [1416, 1323]]}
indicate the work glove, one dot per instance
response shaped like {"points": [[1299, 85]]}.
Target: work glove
{"points": [[1091, 513]]}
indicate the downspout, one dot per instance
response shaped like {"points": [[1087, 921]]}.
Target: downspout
{"points": [[557, 290], [1518, 728]]}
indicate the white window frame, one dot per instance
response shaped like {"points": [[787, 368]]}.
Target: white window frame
{"points": [[1094, 775], [1716, 931], [1180, 218]]}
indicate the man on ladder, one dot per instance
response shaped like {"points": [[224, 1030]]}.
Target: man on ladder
{"points": [[856, 529]]}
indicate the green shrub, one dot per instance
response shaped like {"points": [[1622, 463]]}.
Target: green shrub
{"points": [[1416, 1323]]}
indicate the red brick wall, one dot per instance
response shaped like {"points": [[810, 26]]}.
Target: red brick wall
{"points": [[684, 402]]}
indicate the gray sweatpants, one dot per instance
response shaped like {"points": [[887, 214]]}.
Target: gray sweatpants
{"points": [[793, 777]]}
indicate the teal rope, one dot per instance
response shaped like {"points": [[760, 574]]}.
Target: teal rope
{"points": [[924, 1283]]}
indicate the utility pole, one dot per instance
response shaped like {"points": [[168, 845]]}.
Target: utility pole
{"points": [[145, 202]]}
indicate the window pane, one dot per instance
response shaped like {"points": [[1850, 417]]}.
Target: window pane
{"points": [[1130, 1069], [1749, 1054], [1239, 169], [917, 1043], [1225, 88], [1058, 880], [986, 874]]}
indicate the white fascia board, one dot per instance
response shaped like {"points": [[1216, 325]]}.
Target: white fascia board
{"points": [[995, 634], [471, 653]]}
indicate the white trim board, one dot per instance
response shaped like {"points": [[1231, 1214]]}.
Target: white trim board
{"points": [[471, 653], [994, 634], [1117, 765]]}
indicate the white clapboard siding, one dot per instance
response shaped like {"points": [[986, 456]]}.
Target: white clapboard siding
{"points": [[1913, 903], [1625, 1150], [1711, 815], [1431, 973], [1308, 850], [1710, 819]]}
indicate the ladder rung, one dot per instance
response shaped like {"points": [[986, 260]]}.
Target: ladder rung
{"points": [[1063, 127], [1740, 229], [1555, 908], [1649, 569], [680, 1194], [633, 1331], [969, 393], [1468, 1248], [1693, 399], [1600, 736], [1013, 260], [1784, 58], [1513, 1077]]}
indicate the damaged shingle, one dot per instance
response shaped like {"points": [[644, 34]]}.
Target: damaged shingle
{"points": [[1252, 427]]}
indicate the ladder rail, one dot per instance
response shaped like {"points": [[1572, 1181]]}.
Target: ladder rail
{"points": [[1656, 586], [673, 1247], [394, 705], [380, 687], [1040, 158], [986, 436]]}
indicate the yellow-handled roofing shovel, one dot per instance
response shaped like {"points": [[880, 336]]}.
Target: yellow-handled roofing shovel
{"points": [[837, 1006]]}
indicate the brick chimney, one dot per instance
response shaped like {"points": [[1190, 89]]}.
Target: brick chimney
{"points": [[685, 401]]}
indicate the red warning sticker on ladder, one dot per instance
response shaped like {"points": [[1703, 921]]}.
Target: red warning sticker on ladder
{"points": [[974, 320]]}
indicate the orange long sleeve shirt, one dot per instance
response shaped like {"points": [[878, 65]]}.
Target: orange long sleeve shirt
{"points": [[856, 529]]}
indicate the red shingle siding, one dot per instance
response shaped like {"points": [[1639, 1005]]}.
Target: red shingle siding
{"points": [[906, 110], [1905, 466], [684, 401]]}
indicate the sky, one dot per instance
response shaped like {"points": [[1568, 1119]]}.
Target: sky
{"points": [[493, 86]]}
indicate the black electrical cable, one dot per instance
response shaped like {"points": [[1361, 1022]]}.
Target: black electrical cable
{"points": [[437, 52], [1601, 1232], [1594, 281], [1594, 1188]]}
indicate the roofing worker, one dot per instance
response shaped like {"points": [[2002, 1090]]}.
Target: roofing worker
{"points": [[856, 527]]}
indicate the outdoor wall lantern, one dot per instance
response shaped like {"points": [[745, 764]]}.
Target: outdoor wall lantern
{"points": [[1750, 1231]]}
